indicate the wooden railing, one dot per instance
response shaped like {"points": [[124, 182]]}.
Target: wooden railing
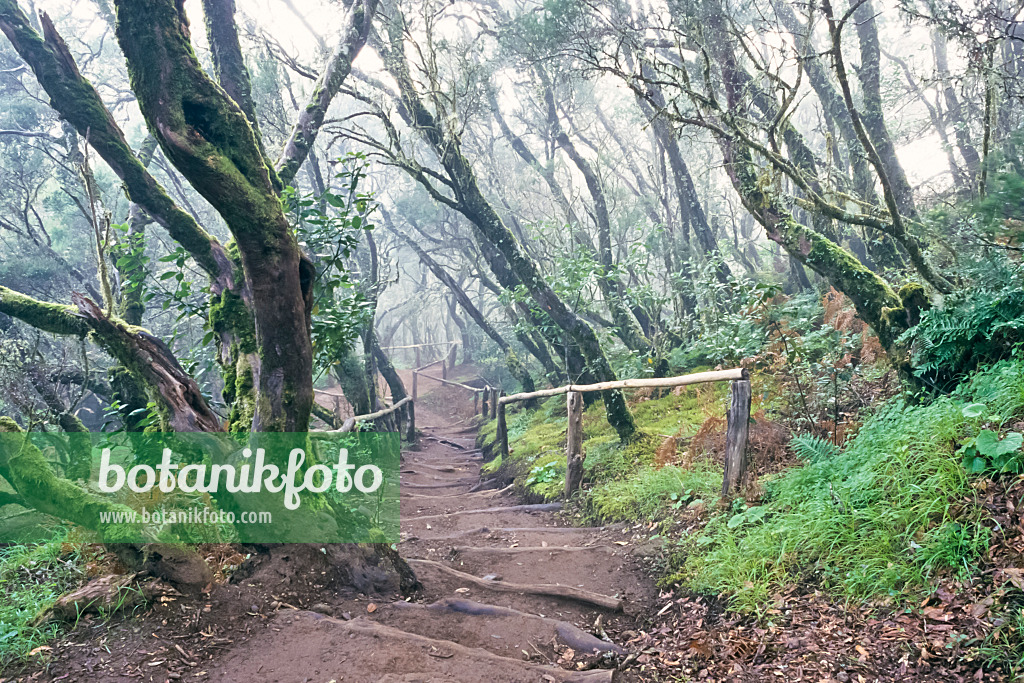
{"points": [[451, 347], [485, 399], [738, 419], [390, 418]]}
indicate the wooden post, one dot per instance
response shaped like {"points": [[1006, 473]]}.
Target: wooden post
{"points": [[484, 395], [410, 426], [415, 383], [444, 369], [476, 402], [453, 354], [502, 432], [574, 443], [738, 425], [494, 403]]}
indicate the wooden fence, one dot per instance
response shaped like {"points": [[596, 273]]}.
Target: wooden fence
{"points": [[485, 399], [390, 418], [738, 419]]}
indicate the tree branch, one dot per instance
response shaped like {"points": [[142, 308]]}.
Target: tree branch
{"points": [[77, 101], [178, 397], [355, 29]]}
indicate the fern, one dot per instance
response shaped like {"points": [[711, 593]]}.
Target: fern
{"points": [[977, 326], [813, 448]]}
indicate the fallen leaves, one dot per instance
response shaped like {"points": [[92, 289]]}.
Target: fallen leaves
{"points": [[1016, 576]]}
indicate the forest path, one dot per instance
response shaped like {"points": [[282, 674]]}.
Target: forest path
{"points": [[489, 610], [510, 595]]}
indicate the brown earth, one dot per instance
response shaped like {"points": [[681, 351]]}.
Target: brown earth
{"points": [[508, 596]]}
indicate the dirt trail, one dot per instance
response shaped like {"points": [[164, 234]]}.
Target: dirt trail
{"points": [[506, 590], [490, 610]]}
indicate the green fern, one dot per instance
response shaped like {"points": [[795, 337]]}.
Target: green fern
{"points": [[977, 326], [813, 448]]}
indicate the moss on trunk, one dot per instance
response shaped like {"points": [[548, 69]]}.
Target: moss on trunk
{"points": [[29, 473], [208, 138]]}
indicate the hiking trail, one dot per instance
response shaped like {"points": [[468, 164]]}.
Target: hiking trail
{"points": [[509, 595]]}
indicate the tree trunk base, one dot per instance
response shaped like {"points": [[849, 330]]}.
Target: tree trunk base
{"points": [[372, 569]]}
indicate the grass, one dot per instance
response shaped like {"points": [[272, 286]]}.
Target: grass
{"points": [[31, 578], [873, 522], [878, 519], [646, 494], [622, 482]]}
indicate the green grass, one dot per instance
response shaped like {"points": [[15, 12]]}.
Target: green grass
{"points": [[622, 482], [879, 518], [647, 493], [31, 578]]}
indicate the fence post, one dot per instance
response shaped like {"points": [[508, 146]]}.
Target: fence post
{"points": [[738, 424], [453, 354], [502, 432], [410, 408], [494, 402], [574, 443], [476, 402], [415, 384], [444, 369], [483, 401]]}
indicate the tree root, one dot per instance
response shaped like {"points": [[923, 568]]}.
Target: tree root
{"points": [[549, 590], [542, 507]]}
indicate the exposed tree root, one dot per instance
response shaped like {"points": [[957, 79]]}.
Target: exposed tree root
{"points": [[549, 590], [541, 507]]}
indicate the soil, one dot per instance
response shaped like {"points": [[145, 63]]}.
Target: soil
{"points": [[299, 614]]}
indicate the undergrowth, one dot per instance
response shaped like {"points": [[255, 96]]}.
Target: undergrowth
{"points": [[32, 577], [622, 482], [878, 518]]}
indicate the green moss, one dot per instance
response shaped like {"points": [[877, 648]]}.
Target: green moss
{"points": [[35, 481], [55, 318], [491, 467], [243, 395], [229, 316]]}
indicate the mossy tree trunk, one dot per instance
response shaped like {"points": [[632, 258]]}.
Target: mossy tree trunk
{"points": [[208, 138], [875, 301]]}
